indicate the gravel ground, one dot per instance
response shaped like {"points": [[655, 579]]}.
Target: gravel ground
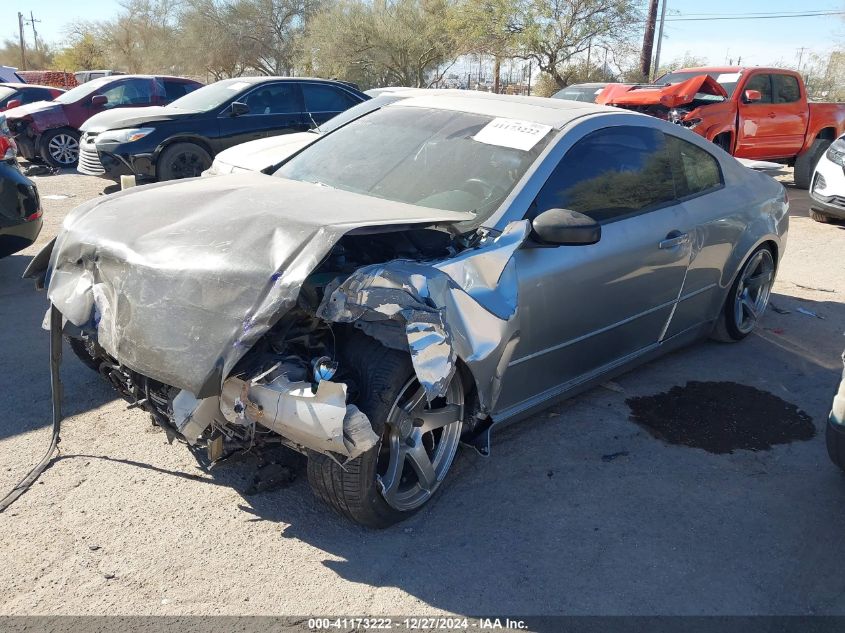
{"points": [[578, 511]]}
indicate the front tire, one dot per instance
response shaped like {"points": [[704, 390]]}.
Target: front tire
{"points": [[60, 148], [747, 299], [397, 477], [182, 160]]}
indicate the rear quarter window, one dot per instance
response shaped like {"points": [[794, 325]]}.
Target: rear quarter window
{"points": [[696, 170], [786, 89]]}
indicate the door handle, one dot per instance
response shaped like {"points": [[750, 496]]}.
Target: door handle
{"points": [[772, 115], [675, 238]]}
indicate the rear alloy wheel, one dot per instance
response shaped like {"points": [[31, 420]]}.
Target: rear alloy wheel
{"points": [[183, 160], [60, 148], [748, 297], [419, 440]]}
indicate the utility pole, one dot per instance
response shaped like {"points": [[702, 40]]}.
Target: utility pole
{"points": [[648, 39], [801, 56], [659, 38], [23, 45], [32, 22]]}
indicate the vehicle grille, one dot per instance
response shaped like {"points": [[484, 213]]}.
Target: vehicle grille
{"points": [[89, 160]]}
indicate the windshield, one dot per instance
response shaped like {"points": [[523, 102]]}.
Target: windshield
{"points": [[80, 92], [728, 81], [6, 92], [211, 96], [425, 157], [579, 93]]}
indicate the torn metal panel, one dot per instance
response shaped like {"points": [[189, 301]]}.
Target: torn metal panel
{"points": [[670, 96], [180, 279], [317, 419], [465, 307]]}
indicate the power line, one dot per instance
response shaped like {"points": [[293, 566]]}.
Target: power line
{"points": [[755, 17], [750, 13]]}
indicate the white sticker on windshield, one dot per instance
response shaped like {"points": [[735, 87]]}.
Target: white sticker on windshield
{"points": [[239, 85], [512, 133], [728, 78]]}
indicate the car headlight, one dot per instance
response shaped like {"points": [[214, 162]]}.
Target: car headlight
{"points": [[836, 152], [125, 136]]}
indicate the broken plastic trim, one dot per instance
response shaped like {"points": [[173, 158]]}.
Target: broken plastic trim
{"points": [[464, 307]]}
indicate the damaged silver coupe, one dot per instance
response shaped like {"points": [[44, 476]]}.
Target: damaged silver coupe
{"points": [[437, 267]]}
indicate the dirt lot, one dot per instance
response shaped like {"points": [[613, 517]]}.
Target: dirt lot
{"points": [[578, 511]]}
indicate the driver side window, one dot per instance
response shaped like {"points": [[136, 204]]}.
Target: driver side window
{"points": [[132, 92], [611, 174]]}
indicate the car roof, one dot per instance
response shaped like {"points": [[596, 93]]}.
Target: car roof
{"points": [[554, 112], [18, 86]]}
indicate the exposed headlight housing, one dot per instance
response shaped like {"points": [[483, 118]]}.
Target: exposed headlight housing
{"points": [[836, 152], [125, 136]]}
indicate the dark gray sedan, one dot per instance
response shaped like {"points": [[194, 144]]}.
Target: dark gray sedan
{"points": [[437, 267]]}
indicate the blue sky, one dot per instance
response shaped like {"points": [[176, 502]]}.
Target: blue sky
{"points": [[756, 41]]}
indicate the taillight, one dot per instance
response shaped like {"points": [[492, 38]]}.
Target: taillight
{"points": [[34, 216], [786, 196]]}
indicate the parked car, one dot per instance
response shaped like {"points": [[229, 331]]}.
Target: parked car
{"points": [[580, 92], [835, 430], [827, 193], [13, 95], [438, 266], [83, 76], [20, 207], [264, 153], [181, 140], [749, 112], [9, 74], [49, 130]]}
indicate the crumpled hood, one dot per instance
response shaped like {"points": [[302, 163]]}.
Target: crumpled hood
{"points": [[39, 110], [131, 117], [670, 96], [180, 279]]}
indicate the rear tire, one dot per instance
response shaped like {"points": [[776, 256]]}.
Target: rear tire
{"points": [[382, 378], [818, 216], [806, 163], [182, 160], [60, 148], [835, 442], [747, 299]]}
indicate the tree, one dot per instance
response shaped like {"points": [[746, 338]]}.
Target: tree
{"points": [[85, 51], [379, 43], [687, 61], [559, 31], [488, 27], [36, 58]]}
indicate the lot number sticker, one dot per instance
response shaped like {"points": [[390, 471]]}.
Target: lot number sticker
{"points": [[512, 133]]}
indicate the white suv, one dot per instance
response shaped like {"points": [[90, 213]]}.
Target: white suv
{"points": [[827, 188]]}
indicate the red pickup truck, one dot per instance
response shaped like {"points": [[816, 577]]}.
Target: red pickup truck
{"points": [[760, 113]]}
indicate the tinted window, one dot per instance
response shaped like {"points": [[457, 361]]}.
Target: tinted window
{"points": [[786, 89], [763, 84], [172, 90], [611, 173], [273, 99], [129, 92], [696, 170], [6, 95], [320, 98]]}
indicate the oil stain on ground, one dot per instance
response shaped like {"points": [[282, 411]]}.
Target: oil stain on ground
{"points": [[721, 417]]}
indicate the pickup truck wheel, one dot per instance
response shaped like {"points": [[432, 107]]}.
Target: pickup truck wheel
{"points": [[806, 163], [60, 148], [747, 299], [818, 216], [82, 352], [396, 478], [182, 160]]}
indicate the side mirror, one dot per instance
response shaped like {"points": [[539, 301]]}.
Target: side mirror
{"points": [[14, 103], [751, 96], [98, 101], [239, 108], [563, 226]]}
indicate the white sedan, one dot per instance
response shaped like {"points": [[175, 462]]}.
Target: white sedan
{"points": [[827, 187]]}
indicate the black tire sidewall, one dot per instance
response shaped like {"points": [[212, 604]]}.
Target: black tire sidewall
{"points": [[163, 170], [806, 163]]}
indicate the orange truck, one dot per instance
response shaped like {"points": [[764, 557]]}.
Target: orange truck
{"points": [[759, 113]]}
